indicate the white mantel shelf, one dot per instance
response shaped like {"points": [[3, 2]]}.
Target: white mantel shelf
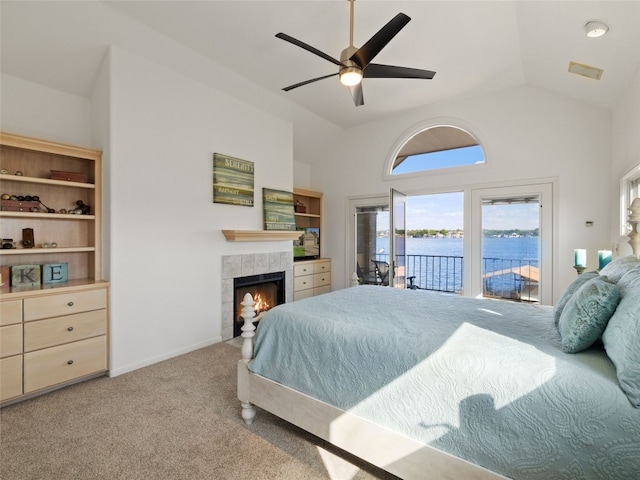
{"points": [[260, 235]]}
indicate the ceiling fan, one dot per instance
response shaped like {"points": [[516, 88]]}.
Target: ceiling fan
{"points": [[355, 63]]}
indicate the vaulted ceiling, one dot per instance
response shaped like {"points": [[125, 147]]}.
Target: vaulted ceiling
{"points": [[476, 47]]}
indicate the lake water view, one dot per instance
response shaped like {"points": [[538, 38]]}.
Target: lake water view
{"points": [[498, 254]]}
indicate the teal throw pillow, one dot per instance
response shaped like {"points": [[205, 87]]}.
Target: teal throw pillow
{"points": [[621, 340], [630, 279], [569, 291], [615, 269], [586, 314]]}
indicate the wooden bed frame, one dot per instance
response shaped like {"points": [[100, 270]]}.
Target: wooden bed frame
{"points": [[396, 453]]}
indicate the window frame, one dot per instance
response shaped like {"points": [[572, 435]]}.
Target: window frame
{"points": [[628, 183], [408, 134]]}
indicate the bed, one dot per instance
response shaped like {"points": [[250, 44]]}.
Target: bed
{"points": [[434, 385]]}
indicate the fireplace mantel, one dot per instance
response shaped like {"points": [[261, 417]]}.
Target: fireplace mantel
{"points": [[260, 235]]}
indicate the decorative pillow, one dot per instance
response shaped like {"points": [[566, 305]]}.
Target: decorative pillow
{"points": [[630, 279], [586, 314], [618, 267], [621, 340], [569, 291]]}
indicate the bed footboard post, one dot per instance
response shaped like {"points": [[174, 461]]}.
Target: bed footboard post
{"points": [[248, 332], [248, 329]]}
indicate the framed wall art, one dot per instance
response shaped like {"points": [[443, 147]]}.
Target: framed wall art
{"points": [[232, 180], [278, 210]]}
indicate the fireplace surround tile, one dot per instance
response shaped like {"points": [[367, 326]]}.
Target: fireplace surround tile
{"points": [[251, 264]]}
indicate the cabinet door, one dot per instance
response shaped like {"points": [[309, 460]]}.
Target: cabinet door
{"points": [[10, 377]]}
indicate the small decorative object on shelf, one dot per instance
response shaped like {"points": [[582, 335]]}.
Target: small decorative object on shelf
{"points": [[604, 257], [68, 176], [634, 220], [25, 276], [580, 260], [81, 208], [300, 207], [55, 273], [27, 238]]}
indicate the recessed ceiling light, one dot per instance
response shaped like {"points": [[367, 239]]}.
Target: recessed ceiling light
{"points": [[585, 70], [594, 28]]}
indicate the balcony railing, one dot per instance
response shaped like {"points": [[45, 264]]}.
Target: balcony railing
{"points": [[502, 278]]}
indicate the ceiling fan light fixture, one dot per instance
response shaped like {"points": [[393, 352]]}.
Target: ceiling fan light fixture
{"points": [[350, 76], [595, 28]]}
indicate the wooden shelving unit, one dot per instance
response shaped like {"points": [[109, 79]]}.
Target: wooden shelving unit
{"points": [[56, 333]]}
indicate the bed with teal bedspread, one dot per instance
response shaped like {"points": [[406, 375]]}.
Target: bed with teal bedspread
{"points": [[484, 380]]}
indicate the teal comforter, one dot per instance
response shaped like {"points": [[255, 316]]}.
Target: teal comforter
{"points": [[484, 380]]}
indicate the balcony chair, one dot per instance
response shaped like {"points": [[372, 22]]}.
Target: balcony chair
{"points": [[381, 270]]}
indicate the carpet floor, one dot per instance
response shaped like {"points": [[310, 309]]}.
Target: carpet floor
{"points": [[177, 419]]}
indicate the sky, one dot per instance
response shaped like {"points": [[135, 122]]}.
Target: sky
{"points": [[445, 211], [445, 159]]}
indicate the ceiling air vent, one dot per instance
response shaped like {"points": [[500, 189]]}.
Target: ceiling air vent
{"points": [[585, 70]]}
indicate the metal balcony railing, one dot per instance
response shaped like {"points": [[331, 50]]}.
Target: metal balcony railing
{"points": [[502, 278]]}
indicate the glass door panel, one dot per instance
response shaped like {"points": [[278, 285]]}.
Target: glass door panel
{"points": [[398, 237], [510, 247], [372, 244]]}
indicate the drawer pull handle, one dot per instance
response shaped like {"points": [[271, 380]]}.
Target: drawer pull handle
{"points": [[70, 329], [70, 362], [70, 304]]}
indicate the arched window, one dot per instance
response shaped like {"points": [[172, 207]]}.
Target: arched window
{"points": [[437, 147]]}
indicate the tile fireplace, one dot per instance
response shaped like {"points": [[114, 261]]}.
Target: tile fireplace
{"points": [[260, 268]]}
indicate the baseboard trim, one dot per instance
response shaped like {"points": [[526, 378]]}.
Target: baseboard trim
{"points": [[114, 372]]}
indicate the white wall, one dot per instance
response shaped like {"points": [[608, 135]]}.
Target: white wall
{"points": [[625, 153], [42, 112], [528, 133], [158, 131], [165, 240]]}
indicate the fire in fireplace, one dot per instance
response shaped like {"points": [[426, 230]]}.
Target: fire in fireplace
{"points": [[267, 290]]}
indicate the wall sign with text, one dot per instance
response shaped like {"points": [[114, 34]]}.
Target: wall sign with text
{"points": [[232, 180]]}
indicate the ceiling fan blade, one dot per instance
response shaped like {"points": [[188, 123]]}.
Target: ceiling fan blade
{"points": [[356, 94], [309, 48], [369, 50], [291, 87], [375, 70]]}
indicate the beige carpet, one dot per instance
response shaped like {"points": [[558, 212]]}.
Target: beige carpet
{"points": [[177, 419]]}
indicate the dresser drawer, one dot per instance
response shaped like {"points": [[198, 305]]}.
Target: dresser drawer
{"points": [[10, 312], [300, 294], [10, 377], [50, 366], [322, 279], [64, 304], [66, 329], [304, 269], [10, 340], [321, 290], [321, 267], [302, 283]]}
